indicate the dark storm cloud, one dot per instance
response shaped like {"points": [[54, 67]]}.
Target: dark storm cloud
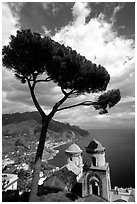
{"points": [[36, 16]]}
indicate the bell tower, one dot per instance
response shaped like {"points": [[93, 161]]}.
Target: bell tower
{"points": [[96, 177], [74, 157]]}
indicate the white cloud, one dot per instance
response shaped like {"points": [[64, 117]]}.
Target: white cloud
{"points": [[9, 27], [123, 115], [102, 117], [80, 12], [97, 40], [127, 99], [9, 23]]}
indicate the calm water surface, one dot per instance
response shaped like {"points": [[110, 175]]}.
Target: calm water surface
{"points": [[120, 153]]}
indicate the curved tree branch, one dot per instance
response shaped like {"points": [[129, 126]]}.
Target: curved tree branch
{"points": [[31, 88], [59, 103], [85, 103], [44, 80], [63, 91]]}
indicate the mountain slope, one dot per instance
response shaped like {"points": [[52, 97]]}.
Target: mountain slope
{"points": [[22, 130], [35, 116]]}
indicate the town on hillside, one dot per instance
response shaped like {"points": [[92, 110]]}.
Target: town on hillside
{"points": [[73, 182]]}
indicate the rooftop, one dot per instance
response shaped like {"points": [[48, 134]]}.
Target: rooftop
{"points": [[91, 198], [74, 148], [54, 197], [94, 146], [63, 179]]}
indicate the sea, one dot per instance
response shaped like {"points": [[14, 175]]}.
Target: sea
{"points": [[120, 154]]}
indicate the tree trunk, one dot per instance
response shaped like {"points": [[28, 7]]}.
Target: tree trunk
{"points": [[38, 159]]}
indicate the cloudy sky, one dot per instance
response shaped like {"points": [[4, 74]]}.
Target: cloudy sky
{"points": [[102, 32]]}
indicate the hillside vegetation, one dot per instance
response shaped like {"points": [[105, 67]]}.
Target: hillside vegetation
{"points": [[22, 130]]}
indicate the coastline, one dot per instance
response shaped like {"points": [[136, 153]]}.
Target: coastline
{"points": [[50, 152]]}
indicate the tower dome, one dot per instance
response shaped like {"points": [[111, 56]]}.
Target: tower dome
{"points": [[74, 148], [74, 155], [94, 147]]}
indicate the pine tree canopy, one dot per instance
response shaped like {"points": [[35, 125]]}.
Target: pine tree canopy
{"points": [[30, 55]]}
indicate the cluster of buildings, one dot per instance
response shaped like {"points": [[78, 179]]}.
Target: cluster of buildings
{"points": [[91, 183], [80, 182]]}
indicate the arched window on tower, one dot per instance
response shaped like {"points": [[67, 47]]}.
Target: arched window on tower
{"points": [[70, 158], [94, 161], [94, 187]]}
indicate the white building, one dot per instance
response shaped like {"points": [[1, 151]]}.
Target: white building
{"points": [[123, 194], [9, 182]]}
